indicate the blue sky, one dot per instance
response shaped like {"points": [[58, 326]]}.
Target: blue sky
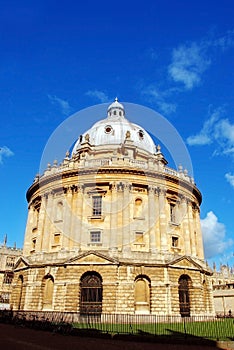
{"points": [[176, 57]]}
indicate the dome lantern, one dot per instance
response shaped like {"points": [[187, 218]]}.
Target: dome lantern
{"points": [[115, 110]]}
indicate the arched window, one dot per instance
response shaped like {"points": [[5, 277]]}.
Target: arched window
{"points": [[138, 212], [20, 291], [91, 293], [59, 211], [142, 295], [184, 297], [48, 291]]}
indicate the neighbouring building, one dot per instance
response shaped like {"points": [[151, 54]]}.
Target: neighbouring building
{"points": [[8, 258], [113, 229], [223, 290]]}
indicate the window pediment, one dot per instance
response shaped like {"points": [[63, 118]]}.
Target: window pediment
{"points": [[96, 191]]}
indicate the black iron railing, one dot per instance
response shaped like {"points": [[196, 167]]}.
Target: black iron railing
{"points": [[115, 324]]}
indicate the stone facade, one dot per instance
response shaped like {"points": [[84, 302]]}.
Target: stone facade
{"points": [[112, 229], [223, 285], [8, 258]]}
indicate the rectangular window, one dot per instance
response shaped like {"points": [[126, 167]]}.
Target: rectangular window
{"points": [[34, 241], [56, 238], [172, 212], [5, 298], [139, 237], [95, 236], [8, 277], [10, 261], [174, 242], [97, 205]]}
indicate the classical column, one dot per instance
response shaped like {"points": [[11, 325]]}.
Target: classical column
{"points": [[163, 220], [28, 233], [185, 226], [41, 220], [113, 243], [120, 207], [79, 215], [200, 249], [45, 238], [191, 229], [157, 221], [126, 217], [73, 241], [152, 219], [67, 217]]}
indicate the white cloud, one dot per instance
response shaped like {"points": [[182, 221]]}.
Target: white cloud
{"points": [[205, 135], [224, 42], [188, 63], [218, 130], [199, 139], [99, 95], [214, 236], [5, 152], [224, 132], [62, 104], [159, 98], [230, 178], [191, 60]]}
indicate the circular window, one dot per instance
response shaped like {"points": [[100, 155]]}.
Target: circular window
{"points": [[108, 129], [141, 134]]}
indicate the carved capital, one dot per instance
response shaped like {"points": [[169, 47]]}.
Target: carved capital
{"points": [[151, 190], [162, 191]]}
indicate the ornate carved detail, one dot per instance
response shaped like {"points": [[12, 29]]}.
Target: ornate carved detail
{"points": [[114, 187], [128, 135], [80, 189], [120, 187], [127, 187], [87, 139], [162, 191], [151, 190]]}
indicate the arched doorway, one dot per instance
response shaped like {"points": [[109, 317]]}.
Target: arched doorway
{"points": [[48, 291], [142, 295], [91, 293], [184, 297]]}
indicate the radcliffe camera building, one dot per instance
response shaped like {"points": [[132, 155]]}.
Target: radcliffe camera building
{"points": [[113, 229]]}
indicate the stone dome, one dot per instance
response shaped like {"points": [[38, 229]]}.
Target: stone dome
{"points": [[116, 130]]}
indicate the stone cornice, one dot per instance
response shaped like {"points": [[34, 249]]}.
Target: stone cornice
{"points": [[60, 177]]}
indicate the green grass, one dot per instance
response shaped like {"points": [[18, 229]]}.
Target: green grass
{"points": [[217, 329]]}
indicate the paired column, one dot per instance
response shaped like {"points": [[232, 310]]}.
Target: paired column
{"points": [[126, 217], [28, 233], [79, 216], [163, 220], [113, 243], [66, 231], [152, 219], [191, 229], [200, 250], [47, 227]]}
